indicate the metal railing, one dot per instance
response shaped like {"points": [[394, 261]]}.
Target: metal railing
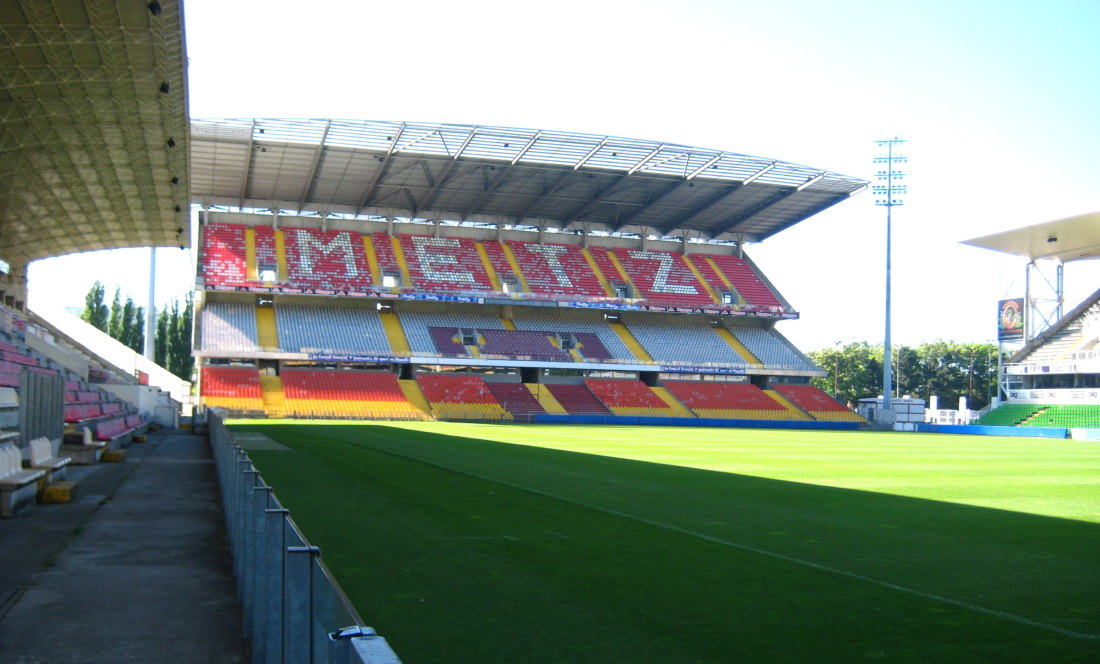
{"points": [[294, 611]]}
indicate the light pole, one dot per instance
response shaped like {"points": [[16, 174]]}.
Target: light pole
{"points": [[836, 367], [888, 196]]}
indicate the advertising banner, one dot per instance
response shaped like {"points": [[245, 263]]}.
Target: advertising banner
{"points": [[1010, 319]]}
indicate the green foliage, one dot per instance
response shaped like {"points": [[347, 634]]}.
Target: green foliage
{"points": [[172, 349], [946, 369], [114, 322], [160, 347], [122, 322], [95, 311]]}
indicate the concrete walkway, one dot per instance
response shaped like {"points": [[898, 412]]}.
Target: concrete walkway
{"points": [[135, 569]]}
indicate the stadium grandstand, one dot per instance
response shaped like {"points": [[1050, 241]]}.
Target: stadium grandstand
{"points": [[414, 271], [93, 144], [1052, 376]]}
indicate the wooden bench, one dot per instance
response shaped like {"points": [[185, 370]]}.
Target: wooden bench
{"points": [[18, 486]]}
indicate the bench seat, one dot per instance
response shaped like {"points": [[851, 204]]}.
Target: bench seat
{"points": [[18, 486]]}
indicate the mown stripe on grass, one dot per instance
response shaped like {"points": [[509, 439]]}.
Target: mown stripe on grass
{"points": [[743, 547]]}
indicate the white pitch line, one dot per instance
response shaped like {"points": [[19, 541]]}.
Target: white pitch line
{"points": [[763, 552]]}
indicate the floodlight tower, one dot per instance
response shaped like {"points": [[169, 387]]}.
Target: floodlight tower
{"points": [[888, 195]]}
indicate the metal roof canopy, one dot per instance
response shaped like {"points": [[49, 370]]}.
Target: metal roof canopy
{"points": [[93, 127], [1066, 240], [502, 176], [1063, 240]]}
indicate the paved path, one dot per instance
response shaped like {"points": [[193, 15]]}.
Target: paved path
{"points": [[135, 569]]}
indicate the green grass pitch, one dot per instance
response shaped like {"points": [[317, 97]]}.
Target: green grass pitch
{"points": [[527, 543]]}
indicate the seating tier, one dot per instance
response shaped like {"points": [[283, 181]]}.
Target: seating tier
{"points": [[662, 277], [556, 269], [231, 382], [743, 278], [578, 400], [363, 394], [770, 349], [228, 326], [444, 264], [584, 330], [628, 397], [683, 340], [337, 260], [459, 396], [325, 259], [515, 398], [710, 399], [332, 329], [811, 399], [223, 254]]}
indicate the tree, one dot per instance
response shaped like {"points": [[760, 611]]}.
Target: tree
{"points": [[114, 323], [133, 326], [160, 339], [123, 322], [95, 311], [172, 346], [855, 371], [943, 368]]}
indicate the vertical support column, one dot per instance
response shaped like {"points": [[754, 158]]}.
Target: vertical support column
{"points": [[256, 586], [298, 611], [150, 309], [247, 552], [269, 649]]}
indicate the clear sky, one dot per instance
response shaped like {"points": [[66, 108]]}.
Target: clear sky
{"points": [[997, 100]]}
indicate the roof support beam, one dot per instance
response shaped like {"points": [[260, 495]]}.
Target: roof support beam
{"points": [[245, 175], [379, 176], [307, 185], [644, 160], [738, 219], [490, 188], [436, 183], [525, 148], [558, 184], [629, 219], [826, 204], [710, 202], [597, 198], [591, 153]]}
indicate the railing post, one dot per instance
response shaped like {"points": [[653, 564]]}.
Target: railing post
{"points": [[270, 650], [298, 610], [257, 600], [247, 538]]}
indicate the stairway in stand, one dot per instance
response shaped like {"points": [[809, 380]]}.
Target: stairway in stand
{"points": [[274, 400]]}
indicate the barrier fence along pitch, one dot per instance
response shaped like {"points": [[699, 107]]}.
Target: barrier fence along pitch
{"points": [[294, 612]]}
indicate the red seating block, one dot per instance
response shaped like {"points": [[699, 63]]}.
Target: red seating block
{"points": [[515, 398], [444, 264], [721, 396], [745, 280], [810, 398], [223, 254], [624, 393], [342, 385], [556, 269], [325, 259], [578, 400], [663, 277], [454, 388], [231, 382]]}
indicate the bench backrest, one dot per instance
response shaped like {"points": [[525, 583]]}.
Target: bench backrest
{"points": [[41, 450], [11, 461]]}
